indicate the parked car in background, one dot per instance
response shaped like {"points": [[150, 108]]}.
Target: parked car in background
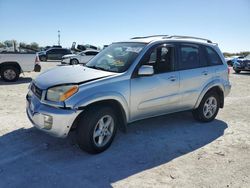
{"points": [[82, 57], [241, 64], [129, 81], [231, 60], [53, 54], [12, 64]]}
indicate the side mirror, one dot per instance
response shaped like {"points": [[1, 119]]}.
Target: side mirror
{"points": [[146, 70]]}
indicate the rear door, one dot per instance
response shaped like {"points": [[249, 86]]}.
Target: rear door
{"points": [[159, 93], [215, 63], [194, 73]]}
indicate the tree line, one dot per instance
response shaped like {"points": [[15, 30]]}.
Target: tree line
{"points": [[227, 54], [9, 43]]}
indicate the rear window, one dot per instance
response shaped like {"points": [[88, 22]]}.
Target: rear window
{"points": [[213, 57]]}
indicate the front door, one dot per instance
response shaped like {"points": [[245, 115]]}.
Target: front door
{"points": [[159, 93]]}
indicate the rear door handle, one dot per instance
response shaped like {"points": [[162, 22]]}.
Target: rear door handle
{"points": [[172, 78], [205, 73]]}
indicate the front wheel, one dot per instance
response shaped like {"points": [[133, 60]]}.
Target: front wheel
{"points": [[43, 58], [74, 62], [208, 108], [96, 129]]}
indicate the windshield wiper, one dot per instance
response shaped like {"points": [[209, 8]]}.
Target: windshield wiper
{"points": [[96, 67]]}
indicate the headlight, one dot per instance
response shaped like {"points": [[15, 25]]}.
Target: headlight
{"points": [[61, 93]]}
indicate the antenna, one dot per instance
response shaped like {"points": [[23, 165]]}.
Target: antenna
{"points": [[59, 37]]}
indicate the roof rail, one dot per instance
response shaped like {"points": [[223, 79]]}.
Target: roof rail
{"points": [[189, 37], [150, 36]]}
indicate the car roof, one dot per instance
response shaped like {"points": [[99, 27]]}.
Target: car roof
{"points": [[173, 38]]}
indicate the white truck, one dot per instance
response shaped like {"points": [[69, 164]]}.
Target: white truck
{"points": [[12, 64]]}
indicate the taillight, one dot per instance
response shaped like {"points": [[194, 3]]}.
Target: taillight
{"points": [[37, 60]]}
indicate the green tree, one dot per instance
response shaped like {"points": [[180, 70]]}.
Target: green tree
{"points": [[1, 45], [8, 43], [34, 46]]}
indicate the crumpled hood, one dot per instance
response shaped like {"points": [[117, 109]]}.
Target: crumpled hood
{"points": [[69, 74]]}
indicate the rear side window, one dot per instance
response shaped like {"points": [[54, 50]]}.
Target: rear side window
{"points": [[191, 57], [65, 51], [213, 57]]}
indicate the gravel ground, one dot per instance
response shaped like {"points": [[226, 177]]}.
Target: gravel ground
{"points": [[167, 151]]}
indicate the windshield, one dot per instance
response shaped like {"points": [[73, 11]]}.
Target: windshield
{"points": [[80, 53], [248, 56], [117, 57]]}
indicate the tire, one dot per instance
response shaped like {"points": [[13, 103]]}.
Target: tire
{"points": [[43, 58], [10, 73], [237, 71], [92, 135], [74, 62], [208, 108]]}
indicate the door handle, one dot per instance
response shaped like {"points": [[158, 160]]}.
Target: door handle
{"points": [[172, 78], [205, 73]]}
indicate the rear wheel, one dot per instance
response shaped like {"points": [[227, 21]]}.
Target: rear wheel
{"points": [[208, 108], [96, 129], [10, 73]]}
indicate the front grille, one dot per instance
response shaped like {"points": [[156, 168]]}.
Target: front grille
{"points": [[36, 90]]}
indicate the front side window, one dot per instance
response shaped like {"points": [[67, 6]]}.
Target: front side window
{"points": [[53, 51], [161, 58], [213, 57], [117, 57]]}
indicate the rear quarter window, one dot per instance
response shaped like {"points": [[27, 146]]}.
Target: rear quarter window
{"points": [[213, 57]]}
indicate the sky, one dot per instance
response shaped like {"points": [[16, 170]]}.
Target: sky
{"points": [[99, 22]]}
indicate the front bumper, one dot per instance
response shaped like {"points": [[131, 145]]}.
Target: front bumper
{"points": [[62, 119], [65, 61]]}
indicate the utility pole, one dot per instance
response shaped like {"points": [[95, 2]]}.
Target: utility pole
{"points": [[58, 37]]}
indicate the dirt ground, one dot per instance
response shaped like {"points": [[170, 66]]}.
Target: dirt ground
{"points": [[167, 151]]}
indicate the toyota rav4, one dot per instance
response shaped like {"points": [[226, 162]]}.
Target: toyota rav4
{"points": [[129, 81]]}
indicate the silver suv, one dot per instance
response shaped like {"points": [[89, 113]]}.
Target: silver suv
{"points": [[126, 82]]}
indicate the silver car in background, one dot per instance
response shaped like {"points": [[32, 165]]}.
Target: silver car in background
{"points": [[81, 57], [129, 81]]}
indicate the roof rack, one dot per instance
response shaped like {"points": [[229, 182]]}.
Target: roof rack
{"points": [[150, 36], [188, 37]]}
